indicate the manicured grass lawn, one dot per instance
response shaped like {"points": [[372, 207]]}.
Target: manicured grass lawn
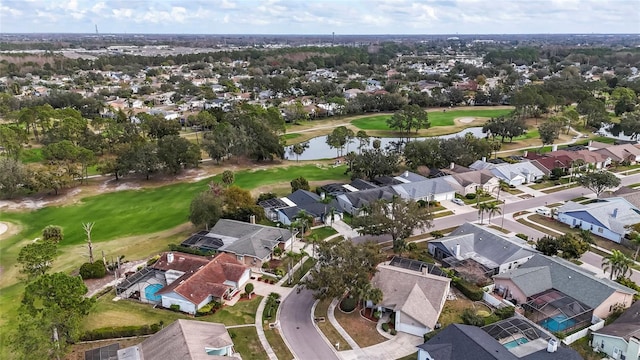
{"points": [[584, 349], [452, 311], [443, 214], [436, 118], [531, 134], [322, 233], [109, 313], [560, 188], [325, 326], [550, 183], [362, 331], [277, 344], [247, 343], [290, 136], [474, 201], [499, 229], [413, 356]]}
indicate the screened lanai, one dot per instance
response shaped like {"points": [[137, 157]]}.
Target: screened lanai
{"points": [[557, 312]]}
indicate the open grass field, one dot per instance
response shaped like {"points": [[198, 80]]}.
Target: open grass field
{"points": [[439, 118], [247, 343]]}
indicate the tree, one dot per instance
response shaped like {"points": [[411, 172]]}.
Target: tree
{"points": [[50, 316], [299, 148], [88, 228], [549, 132], [342, 266], [339, 138], [363, 140], [398, 219], [599, 181], [248, 289], [52, 233], [618, 264], [492, 208], [238, 204], [205, 209], [548, 246], [13, 176], [36, 258], [175, 152], [373, 163], [228, 177], [409, 118], [568, 246], [304, 220], [630, 124], [624, 100], [634, 238], [299, 183]]}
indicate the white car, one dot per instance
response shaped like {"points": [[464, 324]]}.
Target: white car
{"points": [[457, 201], [544, 211]]}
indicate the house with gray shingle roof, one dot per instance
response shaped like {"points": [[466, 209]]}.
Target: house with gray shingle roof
{"points": [[492, 250], [185, 340], [608, 218], [252, 244], [416, 297], [353, 202], [543, 273], [622, 336], [437, 189]]}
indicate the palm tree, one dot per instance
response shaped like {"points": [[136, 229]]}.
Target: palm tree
{"points": [[585, 235], [634, 238], [492, 209], [304, 220], [617, 263], [481, 210]]}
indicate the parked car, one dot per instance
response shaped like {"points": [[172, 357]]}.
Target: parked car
{"points": [[544, 211], [457, 201]]}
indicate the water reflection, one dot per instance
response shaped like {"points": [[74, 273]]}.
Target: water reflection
{"points": [[614, 131], [319, 149]]}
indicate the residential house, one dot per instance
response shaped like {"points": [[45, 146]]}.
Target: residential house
{"points": [[185, 340], [563, 291], [627, 193], [468, 182], [409, 177], [416, 297], [218, 280], [581, 158], [472, 247], [621, 338], [437, 189], [624, 153], [353, 202], [513, 174], [511, 339], [607, 218], [252, 244], [303, 200], [352, 93]]}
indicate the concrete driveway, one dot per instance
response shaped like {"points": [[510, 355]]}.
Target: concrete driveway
{"points": [[298, 328]]}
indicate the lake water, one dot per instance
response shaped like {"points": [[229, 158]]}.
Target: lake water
{"points": [[319, 149], [613, 131]]}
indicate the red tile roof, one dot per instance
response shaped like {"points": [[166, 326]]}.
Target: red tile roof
{"points": [[181, 262]]}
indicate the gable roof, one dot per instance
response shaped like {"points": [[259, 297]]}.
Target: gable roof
{"points": [[530, 281], [209, 280], [248, 239], [479, 177], [423, 189], [483, 245], [613, 213], [463, 342], [183, 339], [361, 198], [302, 197], [571, 280], [419, 295], [619, 152], [626, 326]]}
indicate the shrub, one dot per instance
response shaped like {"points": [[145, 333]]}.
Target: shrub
{"points": [[121, 331], [469, 290], [153, 260], [437, 234], [248, 288], [174, 307], [522, 236], [393, 331], [348, 304], [470, 196], [470, 317], [505, 312], [97, 270], [385, 327], [377, 314]]}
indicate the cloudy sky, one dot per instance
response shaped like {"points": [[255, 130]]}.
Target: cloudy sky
{"points": [[321, 16]]}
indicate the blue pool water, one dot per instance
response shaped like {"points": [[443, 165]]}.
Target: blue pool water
{"points": [[514, 343], [557, 323], [150, 292]]}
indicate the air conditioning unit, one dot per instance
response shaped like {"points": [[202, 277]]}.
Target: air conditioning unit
{"points": [[552, 346]]}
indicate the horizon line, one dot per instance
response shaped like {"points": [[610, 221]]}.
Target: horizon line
{"points": [[313, 34]]}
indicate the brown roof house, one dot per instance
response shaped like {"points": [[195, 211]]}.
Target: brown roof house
{"points": [[184, 340], [416, 297], [618, 153], [218, 280]]}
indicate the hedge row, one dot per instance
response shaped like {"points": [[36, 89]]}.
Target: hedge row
{"points": [[121, 331], [469, 290]]}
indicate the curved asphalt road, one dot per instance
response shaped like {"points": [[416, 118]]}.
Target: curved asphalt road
{"points": [[297, 327]]}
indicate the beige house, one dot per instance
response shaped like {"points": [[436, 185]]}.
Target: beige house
{"points": [[551, 281], [416, 297]]}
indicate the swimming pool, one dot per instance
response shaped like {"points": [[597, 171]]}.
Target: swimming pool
{"points": [[514, 343], [150, 292], [557, 323]]}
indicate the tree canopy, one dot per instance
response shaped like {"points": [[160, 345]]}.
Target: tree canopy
{"points": [[599, 181]]}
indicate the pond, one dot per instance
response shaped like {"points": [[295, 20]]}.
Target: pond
{"points": [[319, 149], [613, 131]]}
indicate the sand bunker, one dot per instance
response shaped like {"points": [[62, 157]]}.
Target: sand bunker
{"points": [[466, 120], [3, 228]]}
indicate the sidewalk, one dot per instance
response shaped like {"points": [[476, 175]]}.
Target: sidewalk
{"points": [[332, 319], [345, 230]]}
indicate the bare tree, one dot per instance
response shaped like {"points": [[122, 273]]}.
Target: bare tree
{"points": [[87, 229]]}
